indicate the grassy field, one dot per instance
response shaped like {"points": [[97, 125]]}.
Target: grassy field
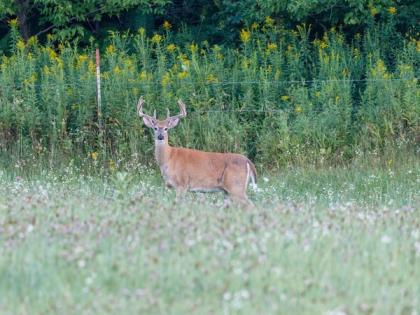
{"points": [[331, 241]]}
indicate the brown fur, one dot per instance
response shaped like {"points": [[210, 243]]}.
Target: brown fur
{"points": [[189, 169]]}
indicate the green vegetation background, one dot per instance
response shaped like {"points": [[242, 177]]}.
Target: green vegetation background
{"points": [[286, 82]]}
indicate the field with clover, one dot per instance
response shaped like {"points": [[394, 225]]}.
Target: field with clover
{"points": [[331, 122]]}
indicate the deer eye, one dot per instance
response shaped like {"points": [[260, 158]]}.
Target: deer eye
{"points": [[156, 128], [166, 129]]}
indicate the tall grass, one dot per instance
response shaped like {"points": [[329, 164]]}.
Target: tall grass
{"points": [[282, 97], [325, 241]]}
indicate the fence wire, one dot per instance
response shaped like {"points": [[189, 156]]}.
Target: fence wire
{"points": [[206, 83]]}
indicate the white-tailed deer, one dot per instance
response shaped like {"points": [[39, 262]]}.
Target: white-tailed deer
{"points": [[193, 170]]}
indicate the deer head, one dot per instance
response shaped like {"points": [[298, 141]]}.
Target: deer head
{"points": [[161, 127]]}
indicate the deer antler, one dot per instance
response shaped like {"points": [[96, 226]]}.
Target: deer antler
{"points": [[140, 109], [183, 111]]}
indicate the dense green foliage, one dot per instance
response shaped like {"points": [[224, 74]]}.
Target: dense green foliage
{"points": [[281, 97], [214, 20]]}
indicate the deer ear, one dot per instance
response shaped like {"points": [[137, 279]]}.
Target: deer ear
{"points": [[173, 121], [148, 122]]}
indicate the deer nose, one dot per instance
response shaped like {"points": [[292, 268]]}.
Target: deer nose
{"points": [[160, 137]]}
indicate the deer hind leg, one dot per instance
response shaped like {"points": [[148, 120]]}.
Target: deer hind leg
{"points": [[235, 184], [180, 193]]}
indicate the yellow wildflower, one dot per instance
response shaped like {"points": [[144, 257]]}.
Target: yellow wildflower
{"points": [[116, 70], [298, 109], [112, 166], [212, 79], [20, 44], [337, 98], [32, 41], [373, 10], [94, 156], [110, 49], [166, 79], [245, 35], [318, 94], [285, 98], [46, 70], [91, 67], [141, 31], [271, 47], [418, 46], [254, 26], [167, 26], [31, 80], [269, 21], [13, 23], [143, 75], [392, 10], [156, 38], [323, 45], [171, 48], [245, 63], [193, 48], [51, 53], [82, 58], [183, 74], [345, 72]]}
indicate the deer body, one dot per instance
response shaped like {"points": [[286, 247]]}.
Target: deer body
{"points": [[188, 169]]}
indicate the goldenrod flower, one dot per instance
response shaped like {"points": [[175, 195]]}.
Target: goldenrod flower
{"points": [[269, 21], [143, 75], [193, 48], [212, 79], [373, 11], [112, 166], [110, 49], [20, 44], [32, 41], [337, 98], [94, 156], [116, 70], [13, 22], [156, 38], [82, 58], [46, 70], [298, 109], [51, 53], [254, 26], [166, 25], [91, 67], [183, 74], [141, 31], [285, 98], [245, 35], [318, 94], [166, 79], [31, 80], [418, 46], [345, 72], [392, 10], [323, 45], [271, 47], [171, 48]]}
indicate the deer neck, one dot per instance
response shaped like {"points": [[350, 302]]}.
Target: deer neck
{"points": [[162, 152]]}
